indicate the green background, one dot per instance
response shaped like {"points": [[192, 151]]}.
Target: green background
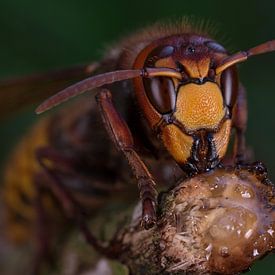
{"points": [[37, 36]]}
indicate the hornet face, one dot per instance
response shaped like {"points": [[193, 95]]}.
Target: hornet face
{"points": [[191, 114]]}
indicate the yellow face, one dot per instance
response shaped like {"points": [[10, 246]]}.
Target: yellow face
{"points": [[199, 106], [189, 110]]}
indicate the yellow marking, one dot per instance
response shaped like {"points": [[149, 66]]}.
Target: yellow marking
{"points": [[177, 143], [221, 138], [18, 179], [18, 233], [199, 106], [167, 62], [16, 204], [196, 68]]}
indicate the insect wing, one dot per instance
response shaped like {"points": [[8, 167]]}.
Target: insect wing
{"points": [[15, 94]]}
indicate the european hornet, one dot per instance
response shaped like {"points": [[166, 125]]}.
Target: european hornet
{"points": [[167, 96]]}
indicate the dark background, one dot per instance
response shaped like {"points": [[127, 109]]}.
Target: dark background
{"points": [[37, 36]]}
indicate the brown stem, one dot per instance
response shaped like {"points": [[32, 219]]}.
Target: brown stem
{"points": [[220, 222]]}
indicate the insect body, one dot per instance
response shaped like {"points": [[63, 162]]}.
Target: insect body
{"points": [[189, 97], [187, 88]]}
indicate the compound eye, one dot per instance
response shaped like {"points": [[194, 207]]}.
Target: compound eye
{"points": [[161, 93], [229, 86]]}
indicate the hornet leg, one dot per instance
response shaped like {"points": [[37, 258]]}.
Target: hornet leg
{"points": [[122, 137], [43, 231], [70, 206]]}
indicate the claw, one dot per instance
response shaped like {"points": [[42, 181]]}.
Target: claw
{"points": [[148, 214], [148, 222], [258, 169]]}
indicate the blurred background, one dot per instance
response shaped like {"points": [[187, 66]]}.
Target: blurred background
{"points": [[38, 36]]}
